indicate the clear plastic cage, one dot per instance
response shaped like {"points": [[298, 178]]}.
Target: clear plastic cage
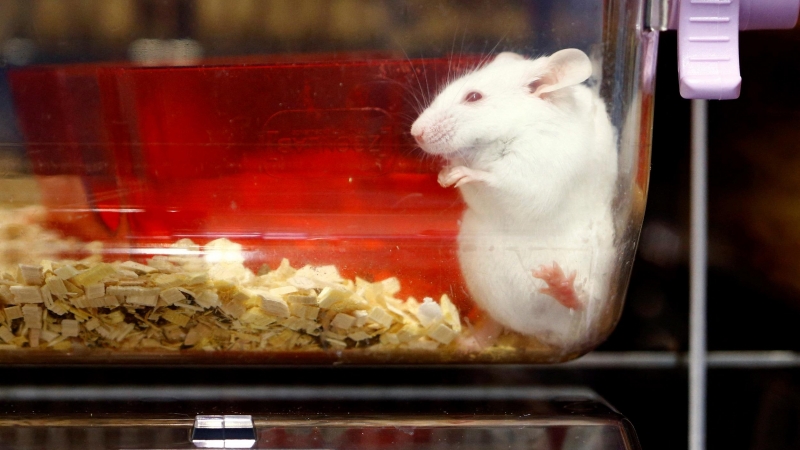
{"points": [[302, 181]]}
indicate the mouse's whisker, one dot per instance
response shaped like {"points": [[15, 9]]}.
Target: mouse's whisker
{"points": [[414, 99], [450, 59], [420, 103]]}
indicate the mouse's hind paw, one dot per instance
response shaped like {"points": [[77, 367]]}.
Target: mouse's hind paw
{"points": [[559, 286]]}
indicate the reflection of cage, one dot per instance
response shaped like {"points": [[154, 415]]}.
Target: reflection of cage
{"points": [[337, 417]]}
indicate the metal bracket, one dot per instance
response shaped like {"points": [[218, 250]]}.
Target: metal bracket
{"points": [[227, 431], [708, 40]]}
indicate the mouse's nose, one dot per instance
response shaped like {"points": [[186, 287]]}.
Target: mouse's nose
{"points": [[419, 136]]}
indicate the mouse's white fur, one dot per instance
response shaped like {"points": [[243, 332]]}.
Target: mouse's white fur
{"points": [[535, 159]]}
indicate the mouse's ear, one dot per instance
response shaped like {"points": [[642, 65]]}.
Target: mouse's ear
{"points": [[564, 68]]}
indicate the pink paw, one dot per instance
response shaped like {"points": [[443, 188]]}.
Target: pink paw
{"points": [[458, 176], [559, 286], [483, 335]]}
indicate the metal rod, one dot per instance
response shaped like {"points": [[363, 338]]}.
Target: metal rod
{"points": [[755, 360], [287, 393], [625, 360], [777, 359], [697, 277]]}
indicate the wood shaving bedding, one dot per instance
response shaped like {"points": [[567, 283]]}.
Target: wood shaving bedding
{"points": [[204, 298]]}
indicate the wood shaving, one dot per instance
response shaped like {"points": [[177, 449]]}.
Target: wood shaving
{"points": [[66, 272], [95, 290], [26, 294], [6, 335], [32, 316], [30, 274], [189, 301], [13, 312], [69, 328], [33, 337]]}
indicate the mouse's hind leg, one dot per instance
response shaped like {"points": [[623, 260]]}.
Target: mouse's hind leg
{"points": [[559, 286], [483, 334]]}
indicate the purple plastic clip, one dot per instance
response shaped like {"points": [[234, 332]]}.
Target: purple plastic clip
{"points": [[708, 41]]}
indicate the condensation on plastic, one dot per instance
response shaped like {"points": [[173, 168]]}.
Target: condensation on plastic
{"points": [[304, 152]]}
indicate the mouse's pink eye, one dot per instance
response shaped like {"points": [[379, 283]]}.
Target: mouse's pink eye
{"points": [[473, 97]]}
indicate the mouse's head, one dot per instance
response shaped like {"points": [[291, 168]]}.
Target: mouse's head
{"points": [[496, 101]]}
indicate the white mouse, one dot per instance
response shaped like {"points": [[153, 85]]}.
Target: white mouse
{"points": [[534, 154]]}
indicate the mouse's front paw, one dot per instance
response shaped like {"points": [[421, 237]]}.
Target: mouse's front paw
{"points": [[459, 176]]}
